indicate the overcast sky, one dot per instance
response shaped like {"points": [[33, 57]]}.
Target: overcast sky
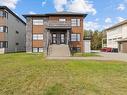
{"points": [[101, 13]]}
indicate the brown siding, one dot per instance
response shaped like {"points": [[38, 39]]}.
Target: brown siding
{"points": [[124, 47], [38, 44], [2, 21], [37, 29], [2, 36]]}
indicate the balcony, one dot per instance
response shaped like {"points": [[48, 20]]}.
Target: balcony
{"points": [[58, 25]]}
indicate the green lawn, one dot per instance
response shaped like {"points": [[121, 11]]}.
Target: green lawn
{"points": [[86, 55], [31, 74]]}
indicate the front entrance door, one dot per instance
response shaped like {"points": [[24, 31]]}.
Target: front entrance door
{"points": [[54, 38], [62, 38], [58, 38]]}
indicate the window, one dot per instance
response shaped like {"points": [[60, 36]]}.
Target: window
{"points": [[38, 50], [3, 44], [62, 20], [37, 36], [38, 22], [76, 49], [75, 22], [35, 49], [4, 14], [17, 44], [75, 37], [17, 32], [40, 37], [3, 29], [1, 13]]}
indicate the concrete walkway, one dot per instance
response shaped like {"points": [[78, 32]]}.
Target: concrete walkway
{"points": [[104, 57]]}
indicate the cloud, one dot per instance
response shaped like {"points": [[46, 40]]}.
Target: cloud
{"points": [[82, 6], [120, 19], [31, 12], [107, 26], [44, 2], [59, 4], [108, 20], [121, 7], [91, 26], [9, 3]]}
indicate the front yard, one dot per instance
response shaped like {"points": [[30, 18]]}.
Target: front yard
{"points": [[32, 74]]}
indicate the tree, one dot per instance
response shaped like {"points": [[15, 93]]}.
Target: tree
{"points": [[96, 38]]}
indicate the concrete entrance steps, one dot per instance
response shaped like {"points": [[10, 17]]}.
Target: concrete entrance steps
{"points": [[59, 50]]}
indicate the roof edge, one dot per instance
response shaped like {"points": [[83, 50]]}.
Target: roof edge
{"points": [[53, 14], [14, 14], [116, 25]]}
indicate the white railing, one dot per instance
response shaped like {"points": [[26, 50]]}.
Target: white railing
{"points": [[58, 24]]}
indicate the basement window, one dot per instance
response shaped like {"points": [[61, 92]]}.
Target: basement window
{"points": [[38, 50], [76, 49]]}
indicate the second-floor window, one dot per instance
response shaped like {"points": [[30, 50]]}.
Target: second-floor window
{"points": [[75, 22], [3, 29], [62, 20], [37, 36], [38, 22]]}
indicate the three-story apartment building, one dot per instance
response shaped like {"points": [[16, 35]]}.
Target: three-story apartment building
{"points": [[12, 31], [43, 30]]}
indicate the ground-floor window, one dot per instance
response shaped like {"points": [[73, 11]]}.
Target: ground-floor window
{"points": [[75, 37], [38, 49], [37, 36], [76, 49], [3, 44]]}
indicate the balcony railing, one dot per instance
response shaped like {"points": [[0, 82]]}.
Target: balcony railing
{"points": [[58, 24]]}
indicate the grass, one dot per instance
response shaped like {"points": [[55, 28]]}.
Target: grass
{"points": [[32, 74], [86, 55]]}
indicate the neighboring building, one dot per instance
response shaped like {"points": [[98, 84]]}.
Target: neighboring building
{"points": [[43, 30], [12, 31], [87, 45], [117, 36]]}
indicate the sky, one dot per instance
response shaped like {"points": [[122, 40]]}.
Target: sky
{"points": [[101, 13]]}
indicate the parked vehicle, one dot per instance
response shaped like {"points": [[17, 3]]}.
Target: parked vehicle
{"points": [[107, 49]]}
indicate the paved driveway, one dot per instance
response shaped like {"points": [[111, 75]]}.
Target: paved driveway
{"points": [[104, 57], [115, 56]]}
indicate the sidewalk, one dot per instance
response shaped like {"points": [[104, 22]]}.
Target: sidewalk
{"points": [[104, 57]]}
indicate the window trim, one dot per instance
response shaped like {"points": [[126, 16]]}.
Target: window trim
{"points": [[5, 29], [38, 49], [62, 20], [37, 37], [4, 13], [76, 22], [76, 49], [76, 37], [38, 22], [4, 44]]}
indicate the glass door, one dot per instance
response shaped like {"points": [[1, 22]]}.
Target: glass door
{"points": [[62, 38], [54, 38]]}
